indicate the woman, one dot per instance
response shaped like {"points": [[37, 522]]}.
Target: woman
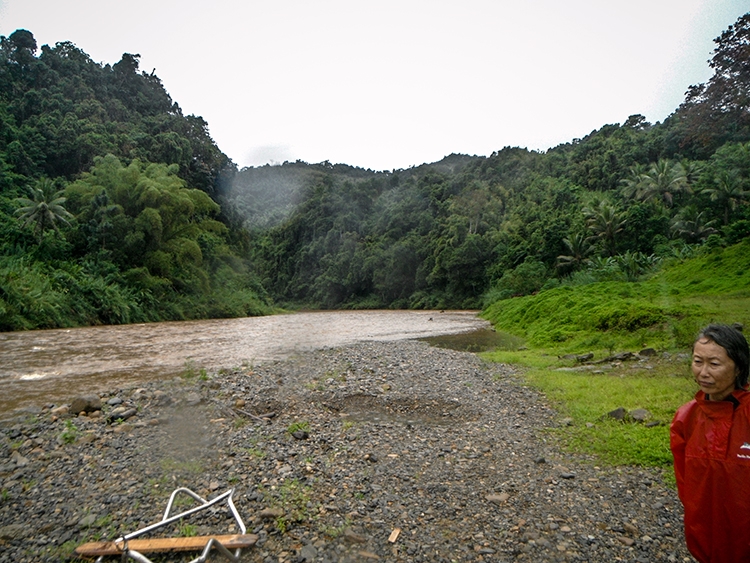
{"points": [[710, 441]]}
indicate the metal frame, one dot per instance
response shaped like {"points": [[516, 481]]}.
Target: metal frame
{"points": [[167, 519]]}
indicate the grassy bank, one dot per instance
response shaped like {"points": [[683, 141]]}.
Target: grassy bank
{"points": [[663, 312]]}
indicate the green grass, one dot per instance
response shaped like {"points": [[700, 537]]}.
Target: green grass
{"points": [[187, 530], [69, 435], [301, 425], [294, 498], [663, 312], [586, 398]]}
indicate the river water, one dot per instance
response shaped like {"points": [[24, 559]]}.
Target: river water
{"points": [[52, 366]]}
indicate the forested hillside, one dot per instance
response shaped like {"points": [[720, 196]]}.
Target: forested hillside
{"points": [[115, 207], [469, 230], [109, 198]]}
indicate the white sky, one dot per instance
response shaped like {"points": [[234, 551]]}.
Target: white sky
{"points": [[388, 84]]}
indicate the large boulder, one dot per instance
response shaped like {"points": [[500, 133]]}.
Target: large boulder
{"points": [[86, 403]]}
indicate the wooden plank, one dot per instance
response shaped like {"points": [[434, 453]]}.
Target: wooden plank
{"points": [[156, 545]]}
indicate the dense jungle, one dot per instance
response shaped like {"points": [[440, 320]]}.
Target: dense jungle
{"points": [[115, 207]]}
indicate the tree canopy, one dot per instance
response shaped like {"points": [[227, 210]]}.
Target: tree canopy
{"points": [[109, 197], [116, 207]]}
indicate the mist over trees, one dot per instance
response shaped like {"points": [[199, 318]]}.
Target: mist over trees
{"points": [[115, 207]]}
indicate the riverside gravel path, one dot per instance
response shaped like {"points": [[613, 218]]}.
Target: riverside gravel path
{"points": [[378, 451]]}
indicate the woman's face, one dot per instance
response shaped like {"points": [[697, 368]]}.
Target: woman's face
{"points": [[714, 371]]}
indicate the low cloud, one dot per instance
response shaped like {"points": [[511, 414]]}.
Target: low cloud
{"points": [[268, 154]]}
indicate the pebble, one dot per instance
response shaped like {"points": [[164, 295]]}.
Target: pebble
{"points": [[458, 454]]}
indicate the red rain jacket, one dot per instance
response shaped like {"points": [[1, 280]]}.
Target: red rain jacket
{"points": [[710, 442]]}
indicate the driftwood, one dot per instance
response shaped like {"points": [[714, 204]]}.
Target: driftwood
{"points": [[231, 411], [260, 418], [161, 545]]}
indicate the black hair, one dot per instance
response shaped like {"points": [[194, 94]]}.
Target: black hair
{"points": [[733, 341]]}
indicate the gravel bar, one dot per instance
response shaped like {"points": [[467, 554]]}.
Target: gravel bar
{"points": [[380, 451]]}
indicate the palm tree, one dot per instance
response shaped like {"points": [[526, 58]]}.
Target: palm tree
{"points": [[632, 185], [606, 223], [692, 170], [691, 225], [662, 181], [45, 208], [579, 248], [729, 191]]}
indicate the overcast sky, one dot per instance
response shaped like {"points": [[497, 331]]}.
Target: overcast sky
{"points": [[389, 84]]}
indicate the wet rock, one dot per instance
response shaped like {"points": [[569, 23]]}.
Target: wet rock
{"points": [[85, 403]]}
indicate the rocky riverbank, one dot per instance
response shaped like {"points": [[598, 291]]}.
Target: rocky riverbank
{"points": [[377, 451]]}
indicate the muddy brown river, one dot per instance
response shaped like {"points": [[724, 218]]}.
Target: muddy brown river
{"points": [[52, 366]]}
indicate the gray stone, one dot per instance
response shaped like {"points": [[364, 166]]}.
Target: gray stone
{"points": [[499, 498], [193, 399], [60, 411], [14, 531], [640, 415], [87, 521], [308, 553], [271, 513], [121, 413], [353, 537], [85, 403], [618, 414], [18, 459]]}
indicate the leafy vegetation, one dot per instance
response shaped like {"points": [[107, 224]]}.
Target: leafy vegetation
{"points": [[70, 434], [468, 231], [663, 312], [109, 198], [298, 426], [116, 208]]}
